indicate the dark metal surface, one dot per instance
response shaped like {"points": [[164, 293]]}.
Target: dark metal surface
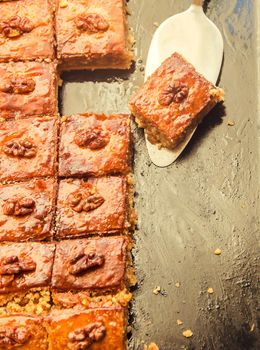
{"points": [[208, 199]]}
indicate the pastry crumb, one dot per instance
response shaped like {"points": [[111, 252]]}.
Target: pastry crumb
{"points": [[152, 346], [63, 3], [187, 334], [157, 290], [231, 123], [179, 322], [252, 328], [156, 24], [60, 82], [217, 251], [177, 284], [210, 290]]}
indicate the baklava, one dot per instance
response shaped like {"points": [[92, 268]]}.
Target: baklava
{"points": [[94, 145], [26, 30], [25, 277], [23, 332], [28, 89], [28, 148], [173, 101], [93, 35], [26, 210], [97, 264], [96, 205], [99, 329], [92, 272]]}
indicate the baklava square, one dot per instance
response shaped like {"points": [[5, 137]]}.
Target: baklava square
{"points": [[93, 35], [28, 89], [25, 266], [23, 332], [173, 101], [26, 210], [98, 205], [26, 30], [99, 329], [90, 264], [28, 148], [94, 145]]}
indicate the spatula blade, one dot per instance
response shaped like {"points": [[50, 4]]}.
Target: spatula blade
{"points": [[194, 36]]}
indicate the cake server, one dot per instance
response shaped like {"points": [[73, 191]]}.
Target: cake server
{"points": [[193, 35]]}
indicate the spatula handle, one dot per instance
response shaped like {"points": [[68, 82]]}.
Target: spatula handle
{"points": [[197, 2]]}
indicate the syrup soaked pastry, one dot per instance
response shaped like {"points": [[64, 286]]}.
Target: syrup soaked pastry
{"points": [[25, 265], [23, 332], [97, 264], [26, 30], [93, 35], [26, 210], [98, 205], [27, 89], [99, 329], [94, 145], [28, 148], [173, 101]]}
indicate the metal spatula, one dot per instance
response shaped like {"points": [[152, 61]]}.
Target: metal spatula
{"points": [[193, 35]]}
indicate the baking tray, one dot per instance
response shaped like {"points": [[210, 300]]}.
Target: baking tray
{"points": [[208, 199]]}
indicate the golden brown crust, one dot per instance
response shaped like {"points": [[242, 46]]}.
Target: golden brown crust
{"points": [[111, 324], [26, 30], [90, 264], [28, 89], [93, 35], [25, 265], [94, 145], [28, 148], [23, 332], [109, 214], [174, 99], [23, 221]]}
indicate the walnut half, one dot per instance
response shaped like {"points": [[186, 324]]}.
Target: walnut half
{"points": [[175, 92], [18, 206], [14, 266], [81, 201], [13, 337], [93, 138], [15, 26], [20, 148], [19, 85], [83, 338], [92, 22], [83, 262]]}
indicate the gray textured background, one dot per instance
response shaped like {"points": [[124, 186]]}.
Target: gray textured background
{"points": [[208, 199]]}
